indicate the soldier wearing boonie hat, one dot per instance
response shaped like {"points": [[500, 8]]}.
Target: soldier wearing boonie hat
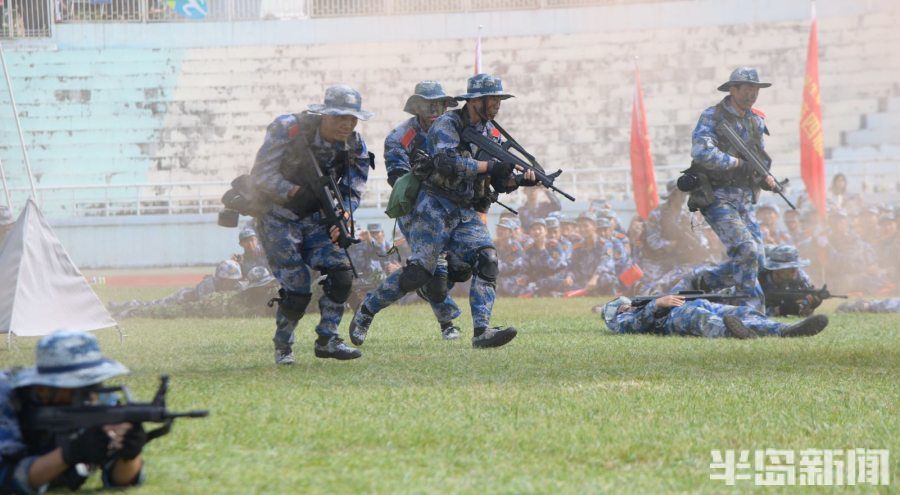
{"points": [[783, 270], [727, 196], [458, 187], [291, 232], [68, 366], [673, 315]]}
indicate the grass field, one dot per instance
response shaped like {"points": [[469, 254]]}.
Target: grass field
{"points": [[565, 408]]}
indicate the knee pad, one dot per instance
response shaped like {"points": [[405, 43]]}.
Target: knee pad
{"points": [[436, 289], [457, 269], [292, 304], [413, 276], [487, 267], [337, 284]]}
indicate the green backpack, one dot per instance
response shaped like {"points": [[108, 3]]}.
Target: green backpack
{"points": [[403, 196]]}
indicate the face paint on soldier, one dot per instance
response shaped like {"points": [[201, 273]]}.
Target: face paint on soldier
{"points": [[484, 108], [743, 96], [429, 111], [784, 276], [337, 128]]}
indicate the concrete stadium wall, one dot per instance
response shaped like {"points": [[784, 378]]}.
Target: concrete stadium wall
{"points": [[131, 103]]}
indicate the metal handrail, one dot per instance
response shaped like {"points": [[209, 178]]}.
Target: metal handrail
{"points": [[204, 197]]}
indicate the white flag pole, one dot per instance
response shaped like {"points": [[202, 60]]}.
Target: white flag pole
{"points": [[12, 100]]}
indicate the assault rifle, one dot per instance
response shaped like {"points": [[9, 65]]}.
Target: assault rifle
{"points": [[688, 295], [58, 420], [323, 189], [422, 159], [784, 295], [501, 152], [758, 166]]}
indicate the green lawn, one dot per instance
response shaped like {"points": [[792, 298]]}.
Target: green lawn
{"points": [[565, 408]]}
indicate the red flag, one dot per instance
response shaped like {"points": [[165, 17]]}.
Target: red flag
{"points": [[478, 52], [631, 275], [812, 148], [642, 175]]}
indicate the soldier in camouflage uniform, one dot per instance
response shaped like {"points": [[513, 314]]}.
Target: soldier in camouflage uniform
{"points": [[669, 239], [402, 148], [672, 315], [250, 301], [445, 218], [253, 254], [729, 206], [783, 270], [69, 364], [291, 231], [511, 258], [891, 305], [226, 279]]}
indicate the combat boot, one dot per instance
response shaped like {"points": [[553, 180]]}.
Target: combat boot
{"points": [[335, 348], [359, 325], [284, 355], [737, 329], [494, 337], [807, 327], [450, 332]]}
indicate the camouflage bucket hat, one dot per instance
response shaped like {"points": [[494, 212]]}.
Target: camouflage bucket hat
{"points": [[507, 223], [783, 257], [228, 270], [259, 276], [537, 221], [744, 75], [374, 227], [341, 100], [603, 223], [428, 91], [246, 233], [611, 309], [68, 359], [552, 222], [6, 216], [481, 85]]}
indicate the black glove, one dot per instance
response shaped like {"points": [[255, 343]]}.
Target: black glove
{"points": [[499, 171], [88, 446], [134, 442], [521, 181], [302, 203]]}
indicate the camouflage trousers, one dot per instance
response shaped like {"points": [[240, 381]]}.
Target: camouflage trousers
{"points": [[891, 305], [446, 310], [432, 231], [731, 216], [702, 318], [293, 248]]}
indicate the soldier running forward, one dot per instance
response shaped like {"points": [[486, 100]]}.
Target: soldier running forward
{"points": [[445, 216], [292, 234], [731, 186], [404, 146]]}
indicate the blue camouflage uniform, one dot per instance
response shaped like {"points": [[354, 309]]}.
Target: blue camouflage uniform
{"points": [[697, 317], [79, 355], [399, 146], [296, 245], [779, 259], [891, 305], [445, 219], [731, 213]]}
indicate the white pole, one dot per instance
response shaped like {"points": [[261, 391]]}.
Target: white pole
{"points": [[5, 186], [12, 100]]}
